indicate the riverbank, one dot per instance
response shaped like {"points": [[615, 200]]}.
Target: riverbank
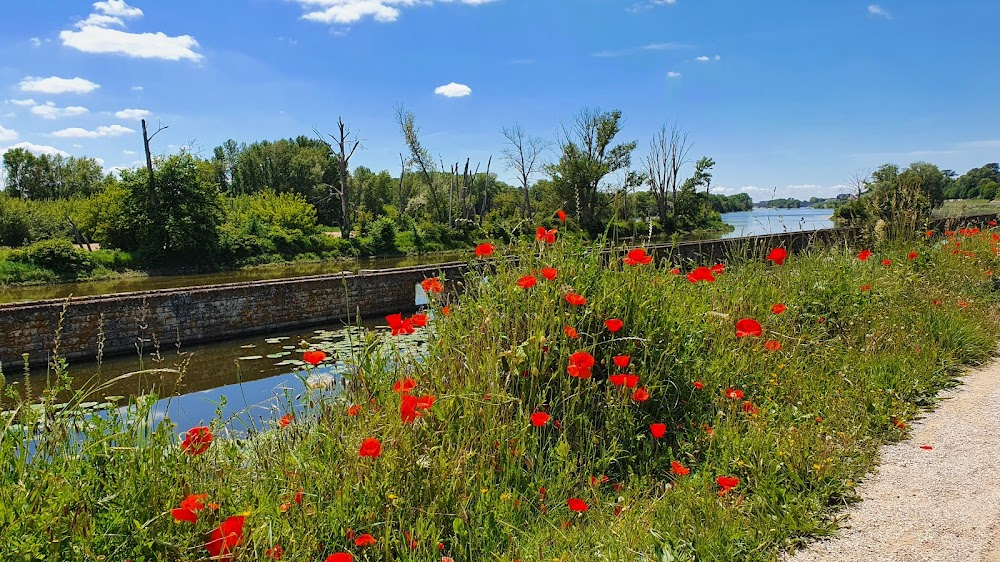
{"points": [[761, 394]]}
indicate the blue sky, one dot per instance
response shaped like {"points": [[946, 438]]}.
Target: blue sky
{"points": [[789, 96]]}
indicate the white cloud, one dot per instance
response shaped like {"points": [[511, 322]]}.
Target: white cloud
{"points": [[77, 132], [117, 8], [57, 85], [344, 12], [36, 149], [50, 111], [94, 35], [453, 90], [129, 152], [643, 6], [35, 41], [133, 114], [673, 74], [10, 115], [7, 134], [876, 10], [703, 58], [718, 57], [636, 50], [23, 103], [137, 88]]}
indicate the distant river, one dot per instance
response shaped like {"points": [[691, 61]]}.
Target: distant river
{"points": [[771, 221]]}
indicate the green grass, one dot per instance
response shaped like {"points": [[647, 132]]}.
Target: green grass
{"points": [[469, 474], [953, 208]]}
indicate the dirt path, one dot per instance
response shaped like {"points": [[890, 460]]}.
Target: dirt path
{"points": [[939, 504]]}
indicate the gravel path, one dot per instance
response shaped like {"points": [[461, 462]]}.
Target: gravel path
{"points": [[939, 504]]}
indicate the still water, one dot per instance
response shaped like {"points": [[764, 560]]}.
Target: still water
{"points": [[772, 221]]}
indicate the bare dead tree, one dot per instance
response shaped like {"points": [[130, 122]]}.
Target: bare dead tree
{"points": [[522, 155], [860, 180], [345, 143], [668, 152], [149, 161], [402, 173]]}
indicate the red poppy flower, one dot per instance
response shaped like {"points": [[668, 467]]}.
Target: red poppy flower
{"points": [[636, 257], [926, 447], [617, 380], [772, 345], [549, 273], [548, 236], [698, 385], [485, 250], [718, 268], [527, 282], [286, 420], [340, 557], [580, 364], [929, 233], [409, 539], [577, 505], [726, 483], [197, 440], [353, 410], [432, 285], [750, 407], [194, 502], [631, 380], [640, 395], [226, 538], [538, 419], [398, 325], [425, 402], [404, 385], [274, 553], [678, 469], [419, 320], [734, 393], [962, 304], [864, 255], [748, 327], [778, 308], [446, 310], [658, 429], [777, 256], [575, 299], [598, 480], [571, 332], [408, 408], [313, 357], [865, 288], [887, 262], [365, 540], [613, 324], [297, 498], [562, 215], [370, 447], [622, 361], [701, 274], [912, 256], [993, 223], [675, 271], [181, 515]]}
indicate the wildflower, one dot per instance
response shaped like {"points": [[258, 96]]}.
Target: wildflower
{"points": [[749, 408], [575, 299], [370, 447], [617, 380], [189, 508], [734, 393], [926, 447], [718, 268], [912, 256], [929, 233], [772, 345], [286, 420], [562, 215], [446, 310], [621, 361], [409, 539], [404, 385], [365, 540], [408, 408], [630, 380], [636, 257], [640, 395], [549, 273], [577, 505], [675, 271], [993, 223], [225, 538], [297, 498], [698, 385], [778, 308], [353, 410], [658, 429], [547, 236], [484, 250], [538, 419], [197, 440], [962, 304], [613, 324], [419, 320], [340, 557], [777, 256], [727, 483], [864, 255], [678, 469], [274, 553], [748, 327], [527, 282], [425, 402], [887, 262], [580, 364], [865, 288], [899, 424], [398, 325], [701, 274], [313, 357], [432, 285], [571, 332]]}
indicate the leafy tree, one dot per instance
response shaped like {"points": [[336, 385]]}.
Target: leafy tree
{"points": [[49, 177]]}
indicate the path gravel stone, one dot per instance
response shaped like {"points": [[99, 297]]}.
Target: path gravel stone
{"points": [[941, 504]]}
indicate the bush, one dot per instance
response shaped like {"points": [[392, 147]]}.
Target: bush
{"points": [[58, 255], [14, 222], [382, 232]]}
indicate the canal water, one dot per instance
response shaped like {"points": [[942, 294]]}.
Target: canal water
{"points": [[251, 380]]}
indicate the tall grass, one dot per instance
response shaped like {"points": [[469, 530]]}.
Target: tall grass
{"points": [[473, 479]]}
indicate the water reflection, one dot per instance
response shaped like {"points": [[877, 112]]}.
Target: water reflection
{"points": [[772, 221]]}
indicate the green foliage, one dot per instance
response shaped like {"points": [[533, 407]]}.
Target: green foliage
{"points": [[51, 176], [977, 183], [57, 255], [15, 222], [730, 203], [382, 232]]}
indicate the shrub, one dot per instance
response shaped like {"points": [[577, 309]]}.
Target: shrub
{"points": [[382, 232], [58, 255], [14, 221]]}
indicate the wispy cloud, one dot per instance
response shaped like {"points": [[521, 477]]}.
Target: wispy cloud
{"points": [[48, 110], [57, 85], [637, 50], [706, 58], [95, 35], [7, 135], [37, 149], [343, 12], [639, 7], [77, 132], [22, 103], [133, 114], [876, 10], [673, 74], [453, 90]]}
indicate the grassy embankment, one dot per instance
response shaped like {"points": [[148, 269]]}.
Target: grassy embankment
{"points": [[863, 347]]}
